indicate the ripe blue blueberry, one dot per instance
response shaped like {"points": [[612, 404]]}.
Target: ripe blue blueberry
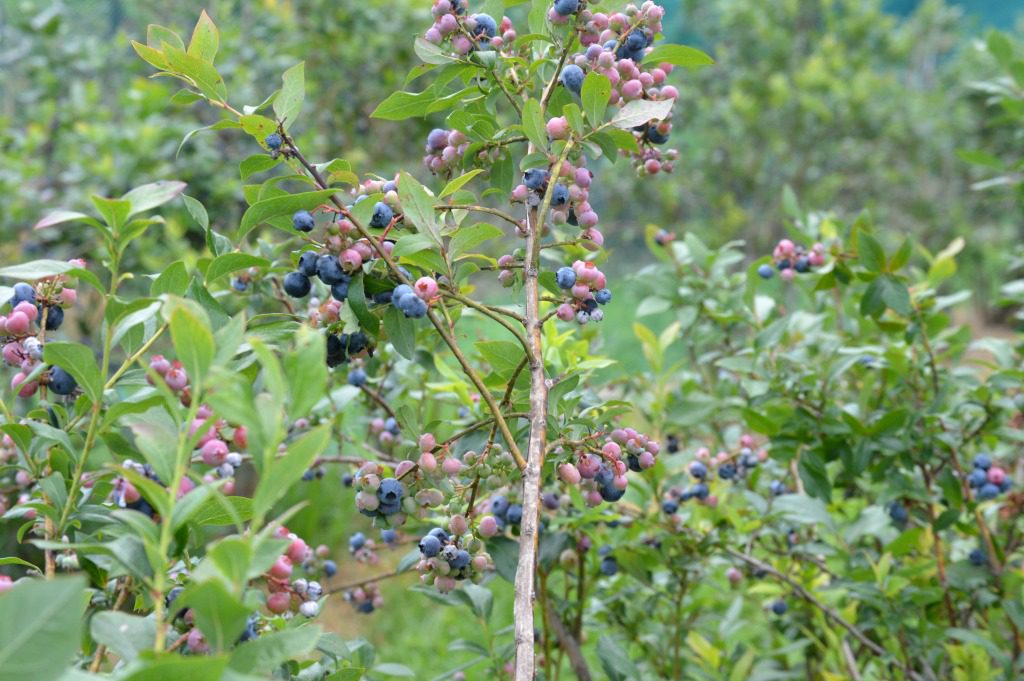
{"points": [[23, 293], [669, 506], [485, 25], [391, 425], [307, 263], [779, 607], [347, 479], [330, 568], [765, 271], [603, 297], [611, 493], [61, 381], [389, 536], [390, 491], [297, 284], [400, 291], [382, 215], [701, 491], [784, 264], [329, 270], [633, 462], [635, 41], [441, 535], [413, 306], [339, 291], [239, 285], [565, 277], [727, 471], [604, 476], [356, 541], [357, 377], [514, 516], [898, 513], [560, 195], [499, 506], [609, 566], [983, 461], [534, 178], [698, 470], [273, 141], [656, 137], [977, 558], [802, 264], [777, 488], [565, 8], [449, 552], [430, 546], [54, 317], [460, 560], [988, 491], [977, 477], [303, 221], [572, 78]]}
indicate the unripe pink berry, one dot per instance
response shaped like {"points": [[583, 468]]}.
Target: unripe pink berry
{"points": [[27, 309], [350, 259], [197, 642], [620, 482], [558, 128], [6, 583], [569, 474], [458, 524], [279, 603], [733, 575], [18, 323], [425, 288], [612, 451], [565, 312], [298, 551], [213, 452], [996, 475], [451, 466], [282, 568], [488, 526], [646, 460], [176, 379]]}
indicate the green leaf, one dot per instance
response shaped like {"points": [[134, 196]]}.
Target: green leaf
{"points": [[257, 126], [12, 560], [193, 341], [197, 210], [79, 361], [418, 206], [640, 111], [61, 216], [213, 512], [615, 660], [679, 55], [126, 635], [257, 163], [232, 262], [357, 301], [148, 196], [457, 183], [218, 614], [430, 53], [264, 210], [503, 356], [802, 509], [202, 74], [393, 669], [288, 102], [533, 124], [174, 280], [884, 292], [401, 105], [871, 254], [270, 650], [287, 470], [40, 628], [400, 331], [115, 212], [306, 371], [205, 39], [37, 269], [157, 34], [471, 237], [594, 95], [815, 476], [175, 667]]}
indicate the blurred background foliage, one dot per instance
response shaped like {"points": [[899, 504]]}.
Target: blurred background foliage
{"points": [[906, 108]]}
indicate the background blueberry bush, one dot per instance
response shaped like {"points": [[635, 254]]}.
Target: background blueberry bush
{"points": [[453, 408]]}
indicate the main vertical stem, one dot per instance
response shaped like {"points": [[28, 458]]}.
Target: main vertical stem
{"points": [[525, 570]]}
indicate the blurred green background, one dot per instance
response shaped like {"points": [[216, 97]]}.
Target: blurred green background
{"points": [[853, 104]]}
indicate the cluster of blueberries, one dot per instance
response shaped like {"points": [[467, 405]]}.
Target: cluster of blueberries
{"points": [[23, 348], [326, 267], [792, 259], [341, 347], [505, 512], [988, 480], [437, 543], [587, 287]]}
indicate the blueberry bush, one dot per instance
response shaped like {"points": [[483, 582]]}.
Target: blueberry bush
{"points": [[812, 478]]}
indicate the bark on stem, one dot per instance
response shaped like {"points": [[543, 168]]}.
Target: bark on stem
{"points": [[536, 445]]}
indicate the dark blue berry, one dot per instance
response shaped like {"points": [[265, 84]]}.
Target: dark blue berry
{"points": [[485, 25], [308, 262], [339, 291], [609, 566], [273, 141], [460, 560], [303, 221], [297, 284], [54, 317], [329, 270], [560, 195], [499, 506], [983, 461], [390, 491], [382, 215], [430, 546], [330, 568], [603, 297], [514, 516], [779, 607], [565, 8], [356, 541], [565, 277], [572, 78], [765, 271], [357, 377], [534, 178]]}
